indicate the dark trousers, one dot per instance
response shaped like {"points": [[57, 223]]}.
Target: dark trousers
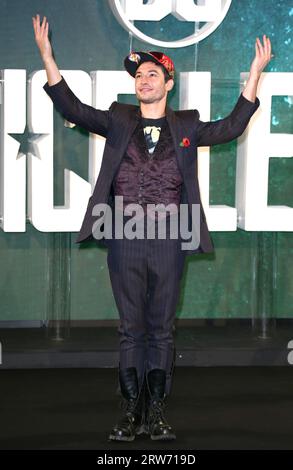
{"points": [[145, 276]]}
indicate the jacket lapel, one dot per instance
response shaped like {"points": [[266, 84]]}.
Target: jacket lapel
{"points": [[133, 119], [176, 132], [124, 136]]}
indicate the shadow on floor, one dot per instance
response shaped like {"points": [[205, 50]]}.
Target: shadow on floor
{"points": [[209, 408]]}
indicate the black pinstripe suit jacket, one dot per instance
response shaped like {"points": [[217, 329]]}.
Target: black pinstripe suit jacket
{"points": [[117, 125]]}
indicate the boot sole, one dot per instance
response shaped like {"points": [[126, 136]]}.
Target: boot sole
{"points": [[121, 438], [172, 437], [138, 431]]}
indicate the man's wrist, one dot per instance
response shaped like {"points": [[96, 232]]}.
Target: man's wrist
{"points": [[254, 76], [47, 59]]}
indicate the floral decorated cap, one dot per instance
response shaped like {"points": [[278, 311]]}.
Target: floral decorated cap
{"points": [[135, 59]]}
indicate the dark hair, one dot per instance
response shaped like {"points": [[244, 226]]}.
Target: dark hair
{"points": [[166, 75]]}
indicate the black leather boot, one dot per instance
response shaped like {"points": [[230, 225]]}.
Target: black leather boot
{"points": [[156, 423], [132, 403]]}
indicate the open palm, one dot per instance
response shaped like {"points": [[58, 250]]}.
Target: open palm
{"points": [[41, 36], [262, 57]]}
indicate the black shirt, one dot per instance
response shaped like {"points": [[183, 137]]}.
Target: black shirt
{"points": [[152, 129]]}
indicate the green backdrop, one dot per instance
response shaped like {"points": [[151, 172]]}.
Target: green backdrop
{"points": [[250, 272]]}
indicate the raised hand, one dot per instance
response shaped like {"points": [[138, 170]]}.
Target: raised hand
{"points": [[41, 36], [263, 55], [44, 45]]}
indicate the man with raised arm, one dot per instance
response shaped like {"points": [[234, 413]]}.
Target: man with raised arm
{"points": [[150, 159]]}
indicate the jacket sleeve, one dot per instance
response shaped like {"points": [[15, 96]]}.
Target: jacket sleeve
{"points": [[85, 116], [227, 129]]}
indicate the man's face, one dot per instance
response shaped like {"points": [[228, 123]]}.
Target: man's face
{"points": [[150, 86]]}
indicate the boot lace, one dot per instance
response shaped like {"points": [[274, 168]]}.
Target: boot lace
{"points": [[157, 411], [128, 405]]}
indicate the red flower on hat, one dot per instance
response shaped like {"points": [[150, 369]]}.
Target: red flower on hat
{"points": [[167, 63], [185, 142]]}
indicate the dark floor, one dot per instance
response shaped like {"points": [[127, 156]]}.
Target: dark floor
{"points": [[228, 344], [210, 408]]}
